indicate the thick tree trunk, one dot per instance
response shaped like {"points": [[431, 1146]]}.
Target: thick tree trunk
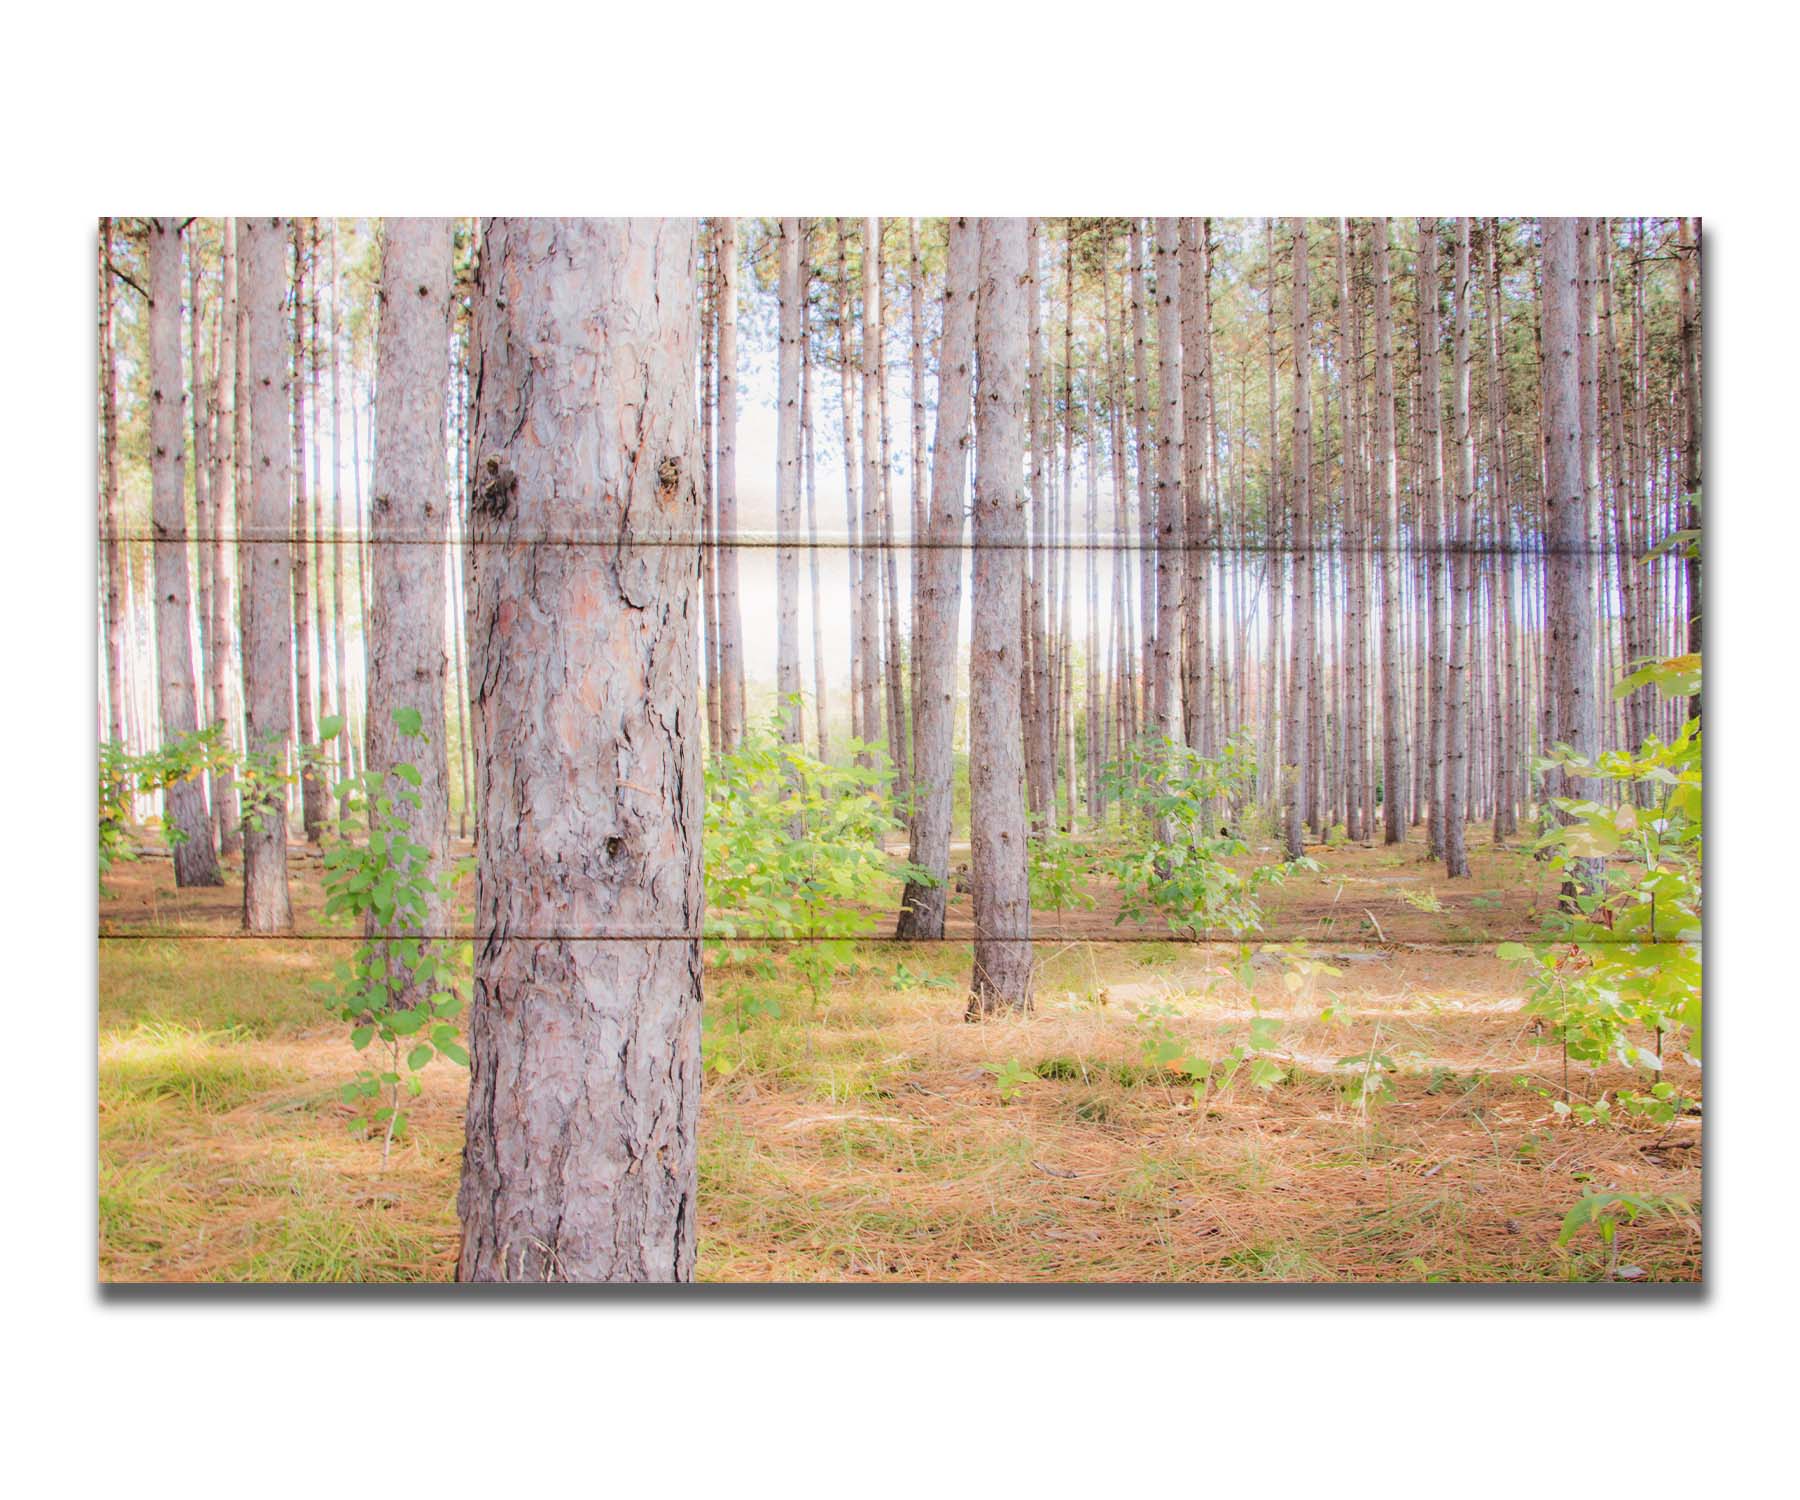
{"points": [[408, 527], [939, 607], [1002, 899], [184, 804], [265, 546], [580, 1162], [788, 691]]}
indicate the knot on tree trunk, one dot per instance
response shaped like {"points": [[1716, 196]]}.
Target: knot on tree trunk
{"points": [[496, 487]]}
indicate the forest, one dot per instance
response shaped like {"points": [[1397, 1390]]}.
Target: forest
{"points": [[931, 750]]}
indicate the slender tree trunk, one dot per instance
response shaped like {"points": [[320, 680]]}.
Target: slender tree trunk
{"points": [[731, 618], [204, 520], [265, 544], [1143, 443], [1393, 772], [999, 861], [711, 678], [312, 797], [184, 804], [215, 550], [812, 521], [1691, 409], [408, 527], [1461, 542], [1506, 744], [1433, 538], [787, 489], [892, 631], [1572, 691], [859, 730], [112, 519], [580, 1161], [940, 604], [338, 649], [1300, 675], [917, 473], [869, 605]]}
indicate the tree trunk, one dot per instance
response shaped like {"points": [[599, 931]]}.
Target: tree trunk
{"points": [[1691, 410], [1432, 538], [1296, 753], [215, 550], [1393, 765], [112, 519], [731, 617], [408, 527], [869, 605], [1170, 523], [1461, 542], [1002, 899], [787, 488], [265, 546], [184, 804], [346, 760], [580, 1160], [852, 507], [939, 607], [812, 513]]}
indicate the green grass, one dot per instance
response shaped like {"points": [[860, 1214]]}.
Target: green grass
{"points": [[157, 1060]]}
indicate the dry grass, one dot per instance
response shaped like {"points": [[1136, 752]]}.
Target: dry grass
{"points": [[873, 1143]]}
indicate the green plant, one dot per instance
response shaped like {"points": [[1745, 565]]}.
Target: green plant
{"points": [[794, 856], [1173, 861], [1010, 1077], [1060, 868], [123, 777], [1603, 1211], [402, 985]]}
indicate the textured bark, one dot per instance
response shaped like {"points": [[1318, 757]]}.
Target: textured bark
{"points": [[894, 680], [321, 600], [998, 854], [1461, 541], [1301, 668], [266, 550], [852, 506], [409, 516], [1144, 449], [338, 650], [112, 521], [312, 793], [1506, 745], [787, 487], [1035, 689], [1692, 407], [1196, 375], [1393, 761], [1355, 609], [1170, 523], [731, 616], [184, 804], [215, 550], [1431, 750], [201, 387], [1572, 691], [868, 612], [939, 606], [584, 1092], [710, 677], [918, 473], [812, 516]]}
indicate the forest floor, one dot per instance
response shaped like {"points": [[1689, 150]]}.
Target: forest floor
{"points": [[874, 1141]]}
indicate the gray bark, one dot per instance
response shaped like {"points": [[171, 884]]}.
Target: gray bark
{"points": [[409, 524], [266, 549], [939, 606], [998, 854], [1387, 497], [787, 488], [184, 804], [1461, 542], [580, 1158]]}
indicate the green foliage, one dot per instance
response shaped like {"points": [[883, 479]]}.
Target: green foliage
{"points": [[402, 985], [1011, 1078], [1626, 968], [1166, 1050], [1173, 861], [1602, 1211], [123, 776], [794, 858], [1061, 867]]}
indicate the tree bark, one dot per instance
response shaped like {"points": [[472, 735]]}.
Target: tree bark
{"points": [[266, 546], [112, 520], [408, 527], [215, 550], [184, 804], [1462, 543], [1002, 899], [788, 690], [731, 617], [939, 607], [580, 1161], [1299, 704], [869, 605], [1393, 765]]}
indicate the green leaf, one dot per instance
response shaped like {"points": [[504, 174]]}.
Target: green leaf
{"points": [[329, 726], [419, 1056], [409, 721], [454, 1052]]}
